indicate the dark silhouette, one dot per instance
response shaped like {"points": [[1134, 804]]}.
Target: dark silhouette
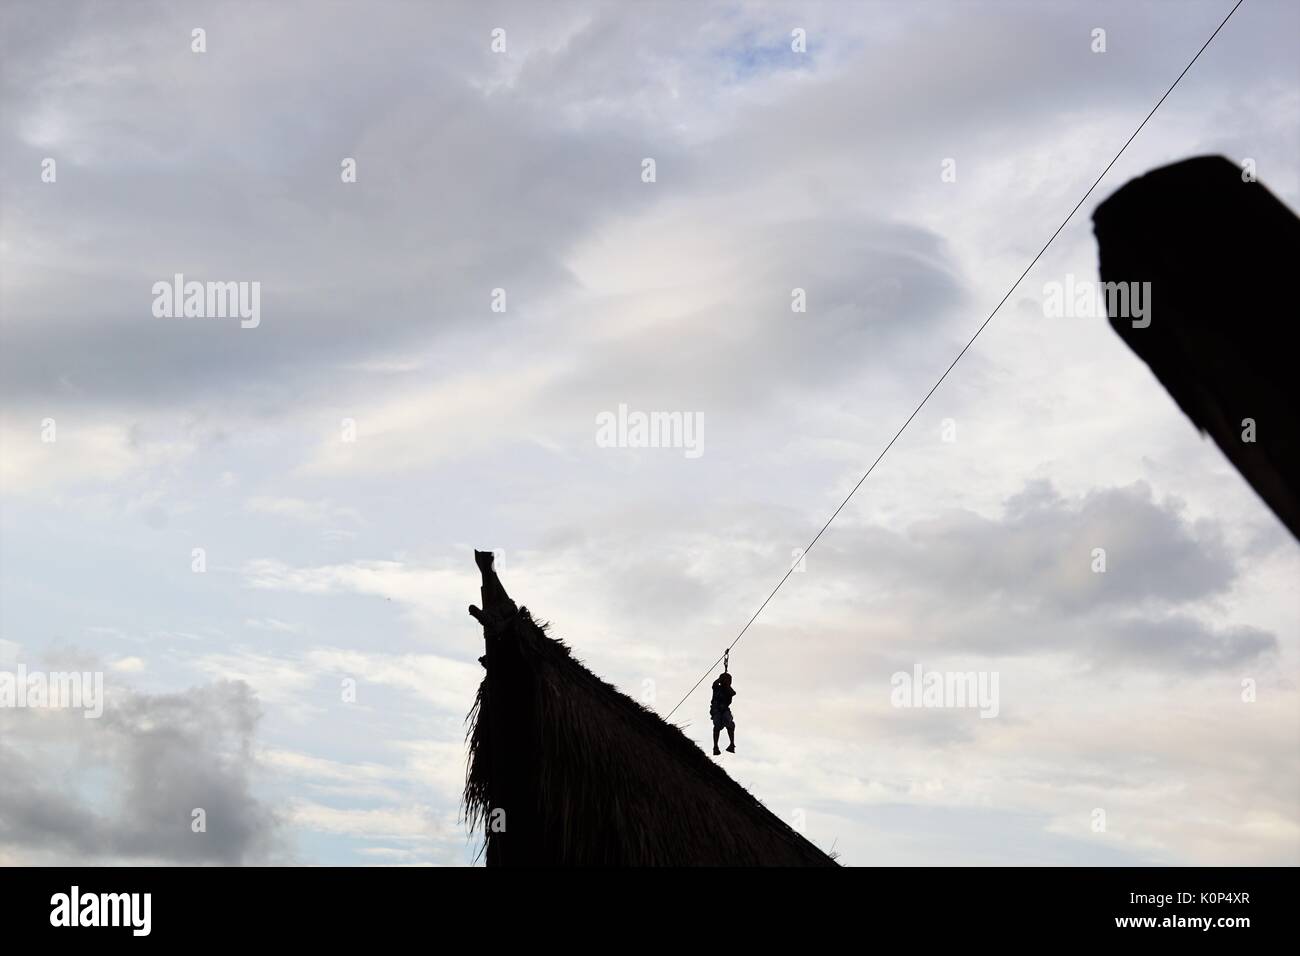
{"points": [[720, 711], [565, 770], [1217, 251]]}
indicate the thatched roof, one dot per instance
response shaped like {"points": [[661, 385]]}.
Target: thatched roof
{"points": [[585, 775], [1220, 254]]}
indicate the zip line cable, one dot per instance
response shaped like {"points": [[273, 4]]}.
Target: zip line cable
{"points": [[936, 385]]}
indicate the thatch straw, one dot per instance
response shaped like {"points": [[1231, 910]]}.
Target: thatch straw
{"points": [[587, 776]]}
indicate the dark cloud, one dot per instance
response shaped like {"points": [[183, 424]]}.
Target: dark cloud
{"points": [[238, 179], [1180, 642], [471, 178], [1025, 581], [1042, 548], [134, 778]]}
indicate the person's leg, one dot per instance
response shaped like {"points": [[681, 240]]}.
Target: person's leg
{"points": [[731, 736], [716, 730]]}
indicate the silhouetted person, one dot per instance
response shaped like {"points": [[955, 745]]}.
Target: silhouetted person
{"points": [[720, 711]]}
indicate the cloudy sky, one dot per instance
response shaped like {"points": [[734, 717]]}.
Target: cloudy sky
{"points": [[331, 560]]}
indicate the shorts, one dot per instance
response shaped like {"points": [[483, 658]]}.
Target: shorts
{"points": [[721, 718]]}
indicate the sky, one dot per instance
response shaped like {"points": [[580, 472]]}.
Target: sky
{"points": [[437, 340]]}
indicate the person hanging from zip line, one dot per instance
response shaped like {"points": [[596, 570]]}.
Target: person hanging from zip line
{"points": [[720, 709]]}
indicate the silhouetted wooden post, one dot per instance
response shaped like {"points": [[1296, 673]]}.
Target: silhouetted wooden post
{"points": [[1220, 252]]}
